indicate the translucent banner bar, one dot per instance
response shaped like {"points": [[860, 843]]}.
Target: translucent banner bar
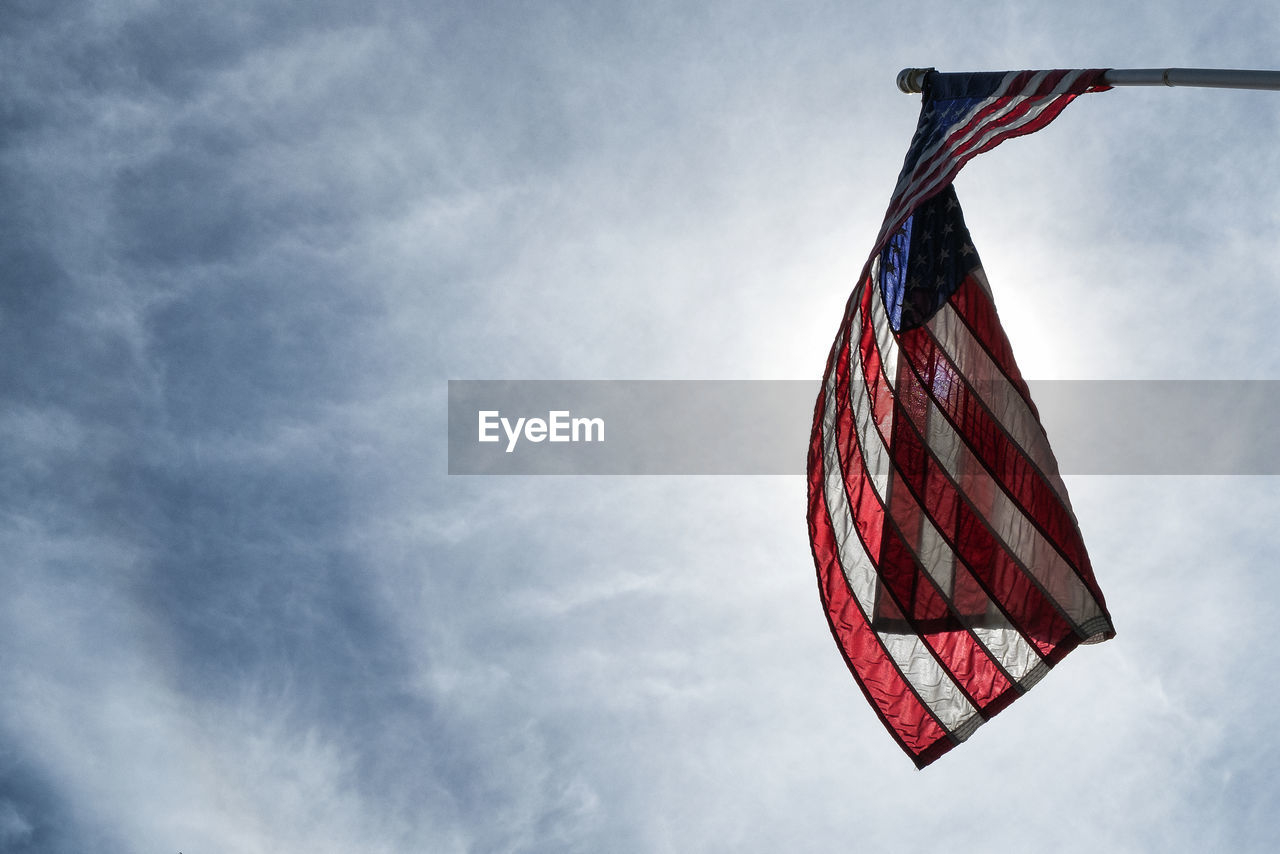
{"points": [[703, 427]]}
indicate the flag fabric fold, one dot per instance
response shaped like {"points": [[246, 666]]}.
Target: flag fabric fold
{"points": [[949, 560]]}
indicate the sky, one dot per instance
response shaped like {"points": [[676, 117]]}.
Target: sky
{"points": [[245, 247]]}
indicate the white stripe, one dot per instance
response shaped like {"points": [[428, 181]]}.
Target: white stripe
{"points": [[937, 556], [885, 342], [935, 687], [985, 130], [928, 180], [875, 454], [932, 166], [1010, 649], [1010, 522], [980, 276], [939, 156], [935, 553], [928, 155], [857, 566], [910, 653], [1004, 402], [1017, 656], [1011, 525]]}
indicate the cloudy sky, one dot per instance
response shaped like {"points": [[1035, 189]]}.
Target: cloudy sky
{"points": [[245, 246]]}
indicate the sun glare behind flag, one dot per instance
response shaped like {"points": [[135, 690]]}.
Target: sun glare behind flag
{"points": [[949, 560]]}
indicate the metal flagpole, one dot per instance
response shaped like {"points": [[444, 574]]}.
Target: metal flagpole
{"points": [[912, 79]]}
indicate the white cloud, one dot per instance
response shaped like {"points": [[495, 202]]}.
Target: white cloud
{"points": [[246, 608]]}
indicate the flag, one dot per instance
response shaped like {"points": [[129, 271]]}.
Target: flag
{"points": [[949, 560]]}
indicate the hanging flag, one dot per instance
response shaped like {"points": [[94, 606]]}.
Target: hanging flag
{"points": [[949, 559]]}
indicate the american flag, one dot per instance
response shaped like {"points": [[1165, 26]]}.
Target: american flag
{"points": [[949, 559]]}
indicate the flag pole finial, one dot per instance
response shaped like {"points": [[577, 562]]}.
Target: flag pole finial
{"points": [[911, 80]]}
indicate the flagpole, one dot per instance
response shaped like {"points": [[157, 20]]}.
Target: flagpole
{"points": [[911, 80]]}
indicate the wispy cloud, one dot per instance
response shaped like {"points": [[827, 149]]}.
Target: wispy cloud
{"points": [[244, 247]]}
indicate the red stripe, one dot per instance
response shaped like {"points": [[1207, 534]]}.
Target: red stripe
{"points": [[949, 155], [998, 115], [1050, 112], [880, 391], [941, 168], [1001, 457], [864, 504], [1003, 124], [1015, 596], [1028, 608], [905, 584], [912, 726], [915, 597], [934, 374], [978, 313], [1013, 88], [1018, 597]]}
